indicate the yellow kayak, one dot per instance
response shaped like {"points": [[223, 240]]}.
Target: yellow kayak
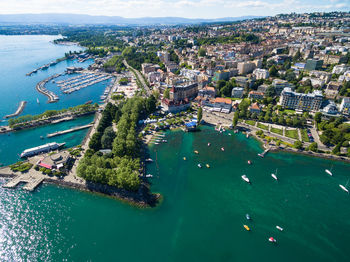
{"points": [[246, 227], [196, 151], [207, 165], [184, 158]]}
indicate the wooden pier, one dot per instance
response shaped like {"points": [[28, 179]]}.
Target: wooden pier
{"points": [[18, 111], [58, 133]]}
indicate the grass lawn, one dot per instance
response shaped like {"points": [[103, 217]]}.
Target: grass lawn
{"points": [[304, 135], [250, 122], [262, 126], [289, 112], [292, 134], [277, 131]]}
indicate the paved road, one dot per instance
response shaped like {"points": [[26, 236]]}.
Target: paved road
{"points": [[145, 86], [321, 146]]}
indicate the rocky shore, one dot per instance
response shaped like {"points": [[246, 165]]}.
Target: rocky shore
{"points": [[142, 198]]}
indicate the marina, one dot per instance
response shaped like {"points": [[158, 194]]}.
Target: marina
{"points": [[18, 111], [83, 80]]}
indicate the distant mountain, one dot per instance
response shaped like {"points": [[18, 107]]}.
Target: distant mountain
{"points": [[77, 19]]}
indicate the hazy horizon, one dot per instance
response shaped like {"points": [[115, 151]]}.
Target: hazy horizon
{"points": [[193, 9]]}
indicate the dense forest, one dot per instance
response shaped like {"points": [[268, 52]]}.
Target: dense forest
{"points": [[119, 168]]}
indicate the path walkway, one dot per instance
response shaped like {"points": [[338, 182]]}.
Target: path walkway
{"points": [[139, 76]]}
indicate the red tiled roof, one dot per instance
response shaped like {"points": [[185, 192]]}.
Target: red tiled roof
{"points": [[223, 100], [45, 165]]}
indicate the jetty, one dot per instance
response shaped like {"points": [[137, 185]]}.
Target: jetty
{"points": [[30, 182], [46, 66], [40, 87], [58, 133], [265, 152], [19, 110]]}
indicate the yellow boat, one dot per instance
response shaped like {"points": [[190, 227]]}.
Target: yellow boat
{"points": [[246, 227], [196, 151], [207, 165], [184, 158]]}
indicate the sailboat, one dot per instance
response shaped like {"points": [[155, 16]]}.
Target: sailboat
{"points": [[274, 175]]}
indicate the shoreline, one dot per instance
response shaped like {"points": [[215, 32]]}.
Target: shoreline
{"points": [[143, 198], [43, 122], [275, 148]]}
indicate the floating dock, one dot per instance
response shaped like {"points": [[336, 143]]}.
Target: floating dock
{"points": [[19, 110], [58, 133]]}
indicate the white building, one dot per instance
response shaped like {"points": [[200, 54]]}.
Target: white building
{"points": [[237, 92], [339, 69], [345, 106], [307, 102], [261, 73]]}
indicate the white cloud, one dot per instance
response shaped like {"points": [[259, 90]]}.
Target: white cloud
{"points": [[183, 8]]}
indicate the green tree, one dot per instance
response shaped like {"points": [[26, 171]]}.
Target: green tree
{"points": [[202, 52], [235, 119], [298, 144], [273, 71], [166, 93], [151, 104], [199, 115], [318, 117], [107, 138], [313, 147], [95, 142]]}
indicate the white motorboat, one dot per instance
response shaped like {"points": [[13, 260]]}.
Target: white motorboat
{"points": [[199, 165], [344, 188], [149, 175], [274, 175], [328, 172], [279, 228], [245, 178]]}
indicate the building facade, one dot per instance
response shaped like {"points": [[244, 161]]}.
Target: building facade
{"points": [[307, 102]]}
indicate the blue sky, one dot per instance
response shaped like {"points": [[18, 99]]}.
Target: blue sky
{"points": [[182, 8]]}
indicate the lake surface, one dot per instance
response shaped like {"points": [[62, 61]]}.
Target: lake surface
{"points": [[201, 216], [20, 55]]}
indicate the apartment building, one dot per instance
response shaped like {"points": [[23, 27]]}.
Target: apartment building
{"points": [[307, 102]]}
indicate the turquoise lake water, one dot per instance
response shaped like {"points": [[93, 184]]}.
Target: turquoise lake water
{"points": [[203, 210], [202, 214], [20, 55]]}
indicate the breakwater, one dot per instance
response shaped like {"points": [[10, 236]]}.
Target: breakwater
{"points": [[46, 66], [18, 111], [58, 133], [40, 87]]}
